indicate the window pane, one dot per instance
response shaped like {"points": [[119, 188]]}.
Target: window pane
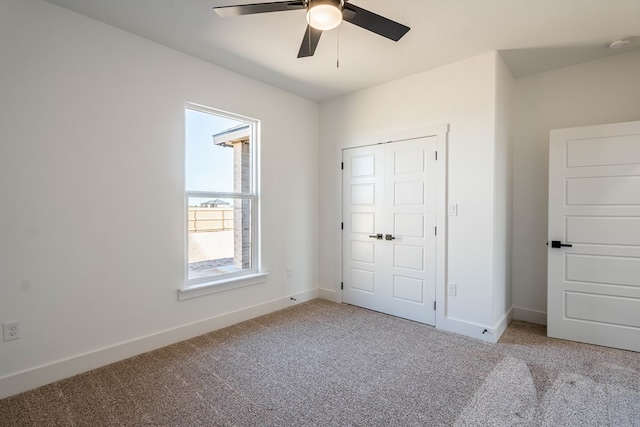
{"points": [[219, 236], [218, 156]]}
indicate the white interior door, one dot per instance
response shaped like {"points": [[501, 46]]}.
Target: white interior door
{"points": [[389, 244], [363, 249], [594, 206]]}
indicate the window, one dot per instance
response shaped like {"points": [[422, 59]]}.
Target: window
{"points": [[221, 197]]}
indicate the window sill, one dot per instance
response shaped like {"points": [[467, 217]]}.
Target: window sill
{"points": [[216, 286]]}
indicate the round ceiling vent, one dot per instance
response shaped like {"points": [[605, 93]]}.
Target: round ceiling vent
{"points": [[618, 43]]}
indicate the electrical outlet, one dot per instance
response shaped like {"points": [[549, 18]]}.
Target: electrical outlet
{"points": [[11, 331], [289, 272], [452, 289]]}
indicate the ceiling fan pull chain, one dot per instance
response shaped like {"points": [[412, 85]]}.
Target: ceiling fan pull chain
{"points": [[338, 48], [309, 27]]}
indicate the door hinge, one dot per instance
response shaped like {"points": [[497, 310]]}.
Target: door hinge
{"points": [[434, 306], [435, 231], [341, 165], [341, 285], [342, 226], [436, 155]]}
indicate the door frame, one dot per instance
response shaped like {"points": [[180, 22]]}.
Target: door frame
{"points": [[440, 132]]}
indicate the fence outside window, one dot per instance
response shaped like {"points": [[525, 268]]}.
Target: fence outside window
{"points": [[207, 219]]}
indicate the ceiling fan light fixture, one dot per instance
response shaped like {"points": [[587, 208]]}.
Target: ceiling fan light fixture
{"points": [[324, 14]]}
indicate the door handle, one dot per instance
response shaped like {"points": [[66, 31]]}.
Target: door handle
{"points": [[376, 236], [557, 244], [389, 237]]}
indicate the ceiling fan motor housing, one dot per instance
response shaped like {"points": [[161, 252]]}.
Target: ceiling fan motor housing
{"points": [[335, 3]]}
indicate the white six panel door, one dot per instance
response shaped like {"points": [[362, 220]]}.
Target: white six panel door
{"points": [[594, 205], [363, 204], [390, 190]]}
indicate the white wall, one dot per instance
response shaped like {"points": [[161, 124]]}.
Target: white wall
{"points": [[503, 182], [91, 131], [463, 95], [604, 91]]}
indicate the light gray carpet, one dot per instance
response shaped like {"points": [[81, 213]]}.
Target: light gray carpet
{"points": [[326, 364]]}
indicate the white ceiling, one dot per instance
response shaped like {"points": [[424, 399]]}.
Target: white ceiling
{"points": [[533, 36]]}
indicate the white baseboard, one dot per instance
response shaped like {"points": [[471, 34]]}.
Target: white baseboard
{"points": [[330, 295], [529, 315], [46, 374], [475, 330], [503, 324]]}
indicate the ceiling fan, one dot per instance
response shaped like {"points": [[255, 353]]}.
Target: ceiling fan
{"points": [[322, 15]]}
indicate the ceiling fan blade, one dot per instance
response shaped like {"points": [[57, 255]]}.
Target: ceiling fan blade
{"points": [[309, 42], [373, 22], [250, 9]]}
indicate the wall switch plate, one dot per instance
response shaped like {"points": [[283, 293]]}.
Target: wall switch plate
{"points": [[10, 331], [289, 272], [452, 289], [453, 209]]}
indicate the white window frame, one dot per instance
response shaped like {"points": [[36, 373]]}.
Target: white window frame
{"points": [[226, 281]]}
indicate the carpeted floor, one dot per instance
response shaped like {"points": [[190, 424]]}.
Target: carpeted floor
{"points": [[326, 364]]}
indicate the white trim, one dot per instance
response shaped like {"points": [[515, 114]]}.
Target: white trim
{"points": [[213, 287], [442, 224], [330, 295], [395, 137], [485, 333], [339, 221], [46, 374], [529, 315], [502, 324]]}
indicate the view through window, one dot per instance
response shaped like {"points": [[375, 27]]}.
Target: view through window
{"points": [[220, 195]]}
